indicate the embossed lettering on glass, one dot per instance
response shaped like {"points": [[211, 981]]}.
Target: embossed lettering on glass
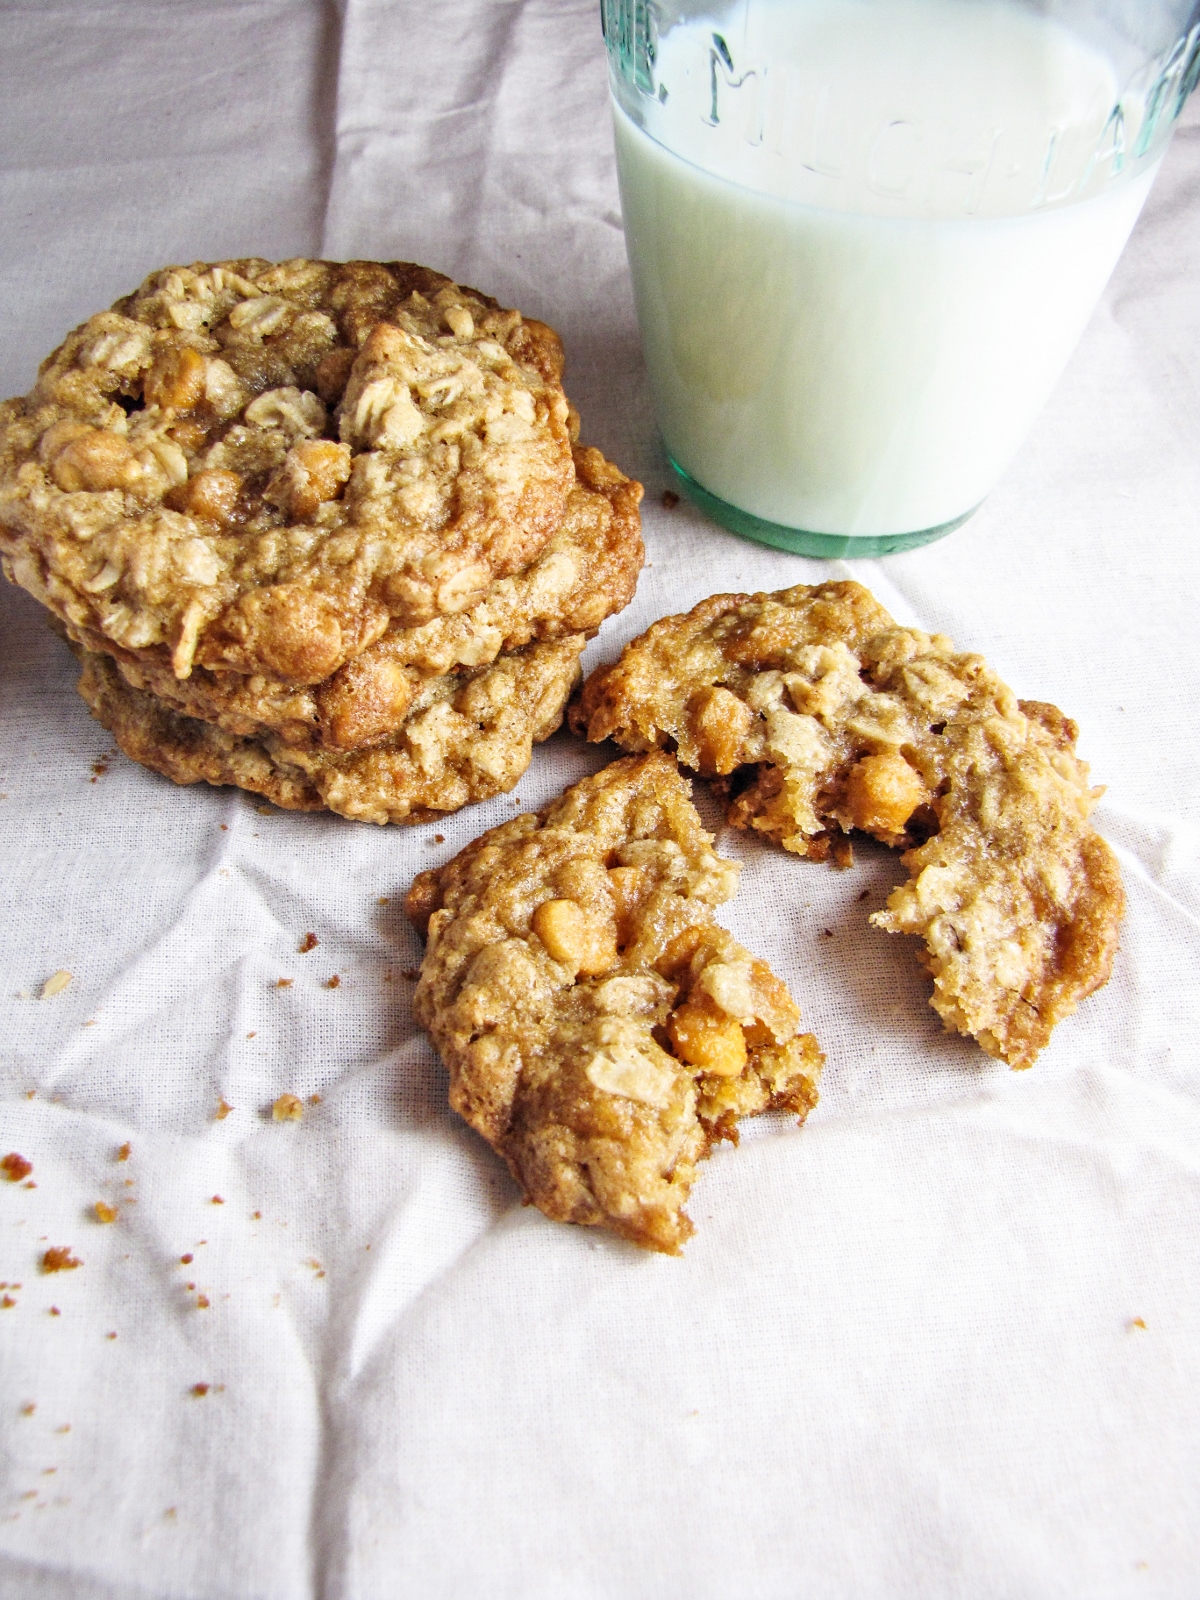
{"points": [[866, 235]]}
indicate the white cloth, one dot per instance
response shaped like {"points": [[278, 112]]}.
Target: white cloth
{"points": [[902, 1355]]}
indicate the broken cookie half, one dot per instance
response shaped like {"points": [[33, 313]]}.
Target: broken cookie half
{"points": [[601, 1031], [816, 714]]}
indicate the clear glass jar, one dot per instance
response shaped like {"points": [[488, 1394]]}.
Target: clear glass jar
{"points": [[866, 235]]}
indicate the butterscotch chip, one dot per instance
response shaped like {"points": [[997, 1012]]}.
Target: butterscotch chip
{"points": [[209, 496], [260, 468], [704, 1036], [882, 792], [585, 573], [570, 957], [94, 461], [830, 717], [583, 943], [467, 736], [313, 471], [175, 378]]}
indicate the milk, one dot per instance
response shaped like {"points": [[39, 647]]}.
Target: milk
{"points": [[865, 240]]}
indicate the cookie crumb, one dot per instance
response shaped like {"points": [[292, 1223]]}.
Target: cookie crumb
{"points": [[124, 1153], [284, 983], [224, 826], [110, 1335], [66, 1428], [1136, 1322], [201, 1302], [411, 973], [827, 932], [384, 900], [334, 982], [865, 895], [56, 983], [216, 1200], [288, 1108], [439, 838], [314, 1099], [186, 1260], [223, 1110], [59, 1259], [256, 1216], [669, 499], [309, 942], [29, 1408], [105, 1212], [15, 1167], [55, 1312], [199, 1388]]}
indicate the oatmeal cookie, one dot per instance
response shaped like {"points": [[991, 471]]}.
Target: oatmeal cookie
{"points": [[469, 735], [586, 572], [601, 1031], [818, 715], [263, 467]]}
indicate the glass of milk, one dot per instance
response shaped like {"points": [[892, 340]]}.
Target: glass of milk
{"points": [[865, 236]]}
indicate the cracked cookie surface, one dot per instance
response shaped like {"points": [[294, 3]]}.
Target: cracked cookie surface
{"points": [[468, 736], [817, 714], [587, 571], [261, 468], [601, 1030]]}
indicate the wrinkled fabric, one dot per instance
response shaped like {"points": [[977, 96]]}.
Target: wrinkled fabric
{"points": [[944, 1341]]}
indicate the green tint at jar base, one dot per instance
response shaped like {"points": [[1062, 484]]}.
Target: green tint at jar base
{"points": [[799, 541]]}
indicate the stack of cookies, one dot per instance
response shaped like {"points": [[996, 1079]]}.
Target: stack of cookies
{"points": [[322, 531]]}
